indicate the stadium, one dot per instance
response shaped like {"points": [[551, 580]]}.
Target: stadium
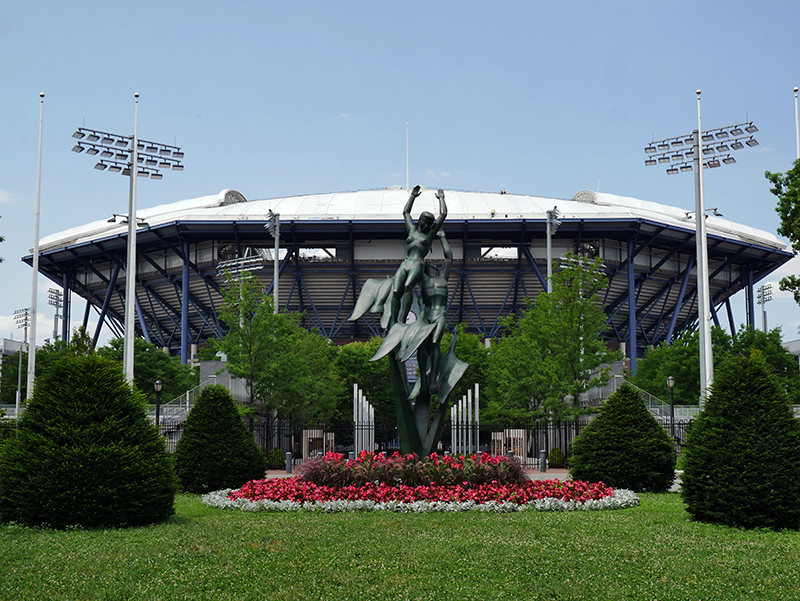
{"points": [[330, 244]]}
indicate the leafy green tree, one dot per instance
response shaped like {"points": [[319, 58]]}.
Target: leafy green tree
{"points": [[353, 366], [624, 447], [681, 359], [284, 366], [46, 356], [215, 450], [742, 454], [85, 453], [786, 186], [150, 364], [471, 350], [554, 350]]}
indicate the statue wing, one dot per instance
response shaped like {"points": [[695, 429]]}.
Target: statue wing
{"points": [[373, 298], [452, 369]]}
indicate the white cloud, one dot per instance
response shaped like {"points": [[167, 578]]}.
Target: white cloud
{"points": [[345, 116], [437, 176], [7, 198]]}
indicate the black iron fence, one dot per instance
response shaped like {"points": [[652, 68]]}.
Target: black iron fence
{"points": [[525, 441]]}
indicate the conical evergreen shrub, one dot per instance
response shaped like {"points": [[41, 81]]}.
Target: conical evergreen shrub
{"points": [[742, 463], [624, 447], [215, 450], [85, 454]]}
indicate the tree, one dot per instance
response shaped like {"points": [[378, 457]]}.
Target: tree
{"points": [[285, 367], [624, 447], [215, 450], [46, 357], [85, 453], [554, 350], [786, 186], [150, 364], [743, 451], [353, 366], [681, 360]]}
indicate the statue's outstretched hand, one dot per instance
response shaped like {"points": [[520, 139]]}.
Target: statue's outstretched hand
{"points": [[416, 191], [440, 194]]}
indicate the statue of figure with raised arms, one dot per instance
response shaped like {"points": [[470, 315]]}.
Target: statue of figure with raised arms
{"points": [[418, 244]]}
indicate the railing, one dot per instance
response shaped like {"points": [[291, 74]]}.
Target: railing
{"points": [[177, 408]]}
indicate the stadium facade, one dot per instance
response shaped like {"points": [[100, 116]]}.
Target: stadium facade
{"points": [[331, 243]]}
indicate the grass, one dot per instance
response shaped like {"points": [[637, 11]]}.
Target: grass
{"points": [[648, 552]]}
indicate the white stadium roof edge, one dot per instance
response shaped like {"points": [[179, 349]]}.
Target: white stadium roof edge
{"points": [[331, 243], [380, 204]]}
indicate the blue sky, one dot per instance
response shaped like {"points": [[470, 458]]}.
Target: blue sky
{"points": [[273, 99]]}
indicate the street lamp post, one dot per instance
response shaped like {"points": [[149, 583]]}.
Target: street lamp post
{"points": [[158, 385], [135, 158], [671, 384], [711, 149], [274, 228]]}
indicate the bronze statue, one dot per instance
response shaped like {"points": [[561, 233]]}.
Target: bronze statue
{"points": [[392, 298], [418, 245]]}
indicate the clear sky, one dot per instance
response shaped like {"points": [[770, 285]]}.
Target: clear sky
{"points": [[284, 98]]}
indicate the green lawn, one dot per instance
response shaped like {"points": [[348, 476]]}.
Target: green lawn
{"points": [[648, 552]]}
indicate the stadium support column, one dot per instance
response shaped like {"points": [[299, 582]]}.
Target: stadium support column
{"points": [[631, 307], [185, 305]]}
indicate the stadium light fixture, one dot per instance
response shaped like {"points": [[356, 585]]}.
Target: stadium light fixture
{"points": [[120, 154], [732, 137]]}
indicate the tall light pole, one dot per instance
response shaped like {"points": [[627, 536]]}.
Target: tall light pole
{"points": [[552, 228], [55, 298], [710, 148], [274, 227], [22, 317], [119, 154], [35, 283], [763, 296], [796, 123]]}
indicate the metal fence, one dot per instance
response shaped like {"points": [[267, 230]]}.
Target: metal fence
{"points": [[524, 440]]}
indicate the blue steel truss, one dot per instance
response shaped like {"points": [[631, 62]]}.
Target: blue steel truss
{"points": [[650, 266]]}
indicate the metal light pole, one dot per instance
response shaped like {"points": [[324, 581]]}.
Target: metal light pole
{"points": [[552, 228], [274, 227], [22, 317], [796, 123], [763, 296], [135, 158], [671, 385], [158, 385], [35, 283], [55, 298], [710, 145]]}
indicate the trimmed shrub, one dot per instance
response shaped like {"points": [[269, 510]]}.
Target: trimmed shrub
{"points": [[624, 447], [85, 454], [215, 450], [742, 464]]}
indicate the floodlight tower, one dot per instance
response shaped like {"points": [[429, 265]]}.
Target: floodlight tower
{"points": [[132, 157], [707, 148], [274, 227], [552, 228], [22, 317]]}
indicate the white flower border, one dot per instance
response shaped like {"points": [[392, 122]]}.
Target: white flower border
{"points": [[620, 499]]}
